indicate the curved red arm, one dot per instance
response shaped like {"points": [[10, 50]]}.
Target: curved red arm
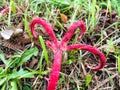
{"points": [[68, 35], [45, 25], [91, 49]]}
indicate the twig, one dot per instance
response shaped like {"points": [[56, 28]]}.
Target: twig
{"points": [[105, 81]]}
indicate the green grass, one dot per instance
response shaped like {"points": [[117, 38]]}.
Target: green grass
{"points": [[44, 48], [10, 74], [12, 5], [118, 62], [88, 79], [27, 26]]}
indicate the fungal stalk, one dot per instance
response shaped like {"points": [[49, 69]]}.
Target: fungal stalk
{"points": [[58, 47]]}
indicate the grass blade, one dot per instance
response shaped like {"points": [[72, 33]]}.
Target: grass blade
{"points": [[118, 64], [12, 5], [26, 26], [13, 85], [88, 79], [40, 62], [44, 48]]}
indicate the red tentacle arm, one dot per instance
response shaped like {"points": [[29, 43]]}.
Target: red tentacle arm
{"points": [[70, 32], [55, 73], [45, 25], [91, 49]]}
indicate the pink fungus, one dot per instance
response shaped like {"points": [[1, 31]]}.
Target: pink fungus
{"points": [[59, 47]]}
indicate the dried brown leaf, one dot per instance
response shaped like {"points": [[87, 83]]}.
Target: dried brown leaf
{"points": [[64, 18]]}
